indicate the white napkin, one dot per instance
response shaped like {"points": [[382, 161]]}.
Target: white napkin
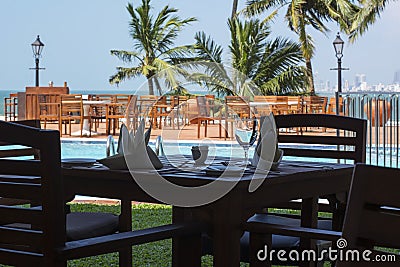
{"points": [[133, 152], [134, 148], [265, 150]]}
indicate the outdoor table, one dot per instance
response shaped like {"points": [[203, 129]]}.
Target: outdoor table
{"points": [[292, 180]]}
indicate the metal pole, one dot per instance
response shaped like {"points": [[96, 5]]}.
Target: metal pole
{"points": [[339, 90], [37, 72]]}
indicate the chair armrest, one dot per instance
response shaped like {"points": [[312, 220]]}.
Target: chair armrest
{"points": [[312, 233], [114, 242]]}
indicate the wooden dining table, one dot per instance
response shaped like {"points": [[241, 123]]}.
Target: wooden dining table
{"points": [[292, 180]]}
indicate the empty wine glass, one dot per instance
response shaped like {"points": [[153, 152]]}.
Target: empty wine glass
{"points": [[246, 135]]}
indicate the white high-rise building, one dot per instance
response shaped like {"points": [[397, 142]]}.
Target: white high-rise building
{"points": [[396, 79], [360, 79]]}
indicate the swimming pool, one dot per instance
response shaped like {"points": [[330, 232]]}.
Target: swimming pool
{"points": [[97, 149]]}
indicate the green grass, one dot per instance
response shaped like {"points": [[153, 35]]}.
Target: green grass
{"points": [[143, 216], [157, 254]]}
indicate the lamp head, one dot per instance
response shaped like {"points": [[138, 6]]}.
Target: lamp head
{"points": [[338, 45], [37, 47]]}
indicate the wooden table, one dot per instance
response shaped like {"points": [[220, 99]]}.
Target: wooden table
{"points": [[293, 180]]}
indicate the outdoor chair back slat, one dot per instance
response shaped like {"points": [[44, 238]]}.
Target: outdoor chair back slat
{"points": [[329, 140], [18, 167], [331, 154], [20, 190], [355, 135], [18, 237]]}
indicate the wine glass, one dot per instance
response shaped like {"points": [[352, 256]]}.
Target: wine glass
{"points": [[246, 134]]}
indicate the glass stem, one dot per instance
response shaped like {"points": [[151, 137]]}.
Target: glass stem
{"points": [[246, 155]]}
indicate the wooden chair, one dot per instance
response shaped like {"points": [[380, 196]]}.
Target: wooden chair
{"points": [[295, 104], [372, 219], [10, 107], [145, 107], [205, 115], [355, 139], [315, 104], [50, 241], [160, 111], [262, 108], [49, 109], [71, 110], [117, 110], [238, 105], [235, 107], [332, 106], [352, 140], [98, 111]]}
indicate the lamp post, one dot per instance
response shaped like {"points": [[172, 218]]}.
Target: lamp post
{"points": [[37, 47], [338, 44]]}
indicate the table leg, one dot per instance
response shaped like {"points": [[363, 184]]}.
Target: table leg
{"points": [[125, 224], [309, 218], [226, 232], [186, 251]]}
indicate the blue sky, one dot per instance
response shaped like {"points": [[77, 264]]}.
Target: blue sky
{"points": [[78, 36]]}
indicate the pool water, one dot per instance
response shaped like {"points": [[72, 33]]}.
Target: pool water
{"points": [[97, 150]]}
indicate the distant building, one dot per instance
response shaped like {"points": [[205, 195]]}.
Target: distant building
{"points": [[346, 85], [360, 79], [396, 79]]}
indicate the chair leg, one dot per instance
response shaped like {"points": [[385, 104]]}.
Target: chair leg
{"points": [[198, 127], [107, 126], [260, 245]]}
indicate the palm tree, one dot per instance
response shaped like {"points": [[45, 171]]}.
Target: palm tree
{"points": [[303, 13], [153, 39], [234, 8], [271, 66], [367, 14]]}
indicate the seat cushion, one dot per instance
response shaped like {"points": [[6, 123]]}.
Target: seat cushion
{"points": [[81, 225]]}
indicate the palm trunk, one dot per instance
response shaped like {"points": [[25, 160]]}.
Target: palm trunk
{"points": [[234, 8], [158, 86], [150, 84], [310, 77]]}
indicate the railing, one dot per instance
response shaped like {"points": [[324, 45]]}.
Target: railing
{"points": [[383, 114], [110, 146]]}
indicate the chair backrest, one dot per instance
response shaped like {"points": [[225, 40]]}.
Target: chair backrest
{"points": [[331, 108], [373, 211], [101, 97], [20, 151], [38, 181], [203, 107], [71, 104], [353, 140], [238, 105]]}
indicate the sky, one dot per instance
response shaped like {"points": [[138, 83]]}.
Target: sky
{"points": [[78, 36]]}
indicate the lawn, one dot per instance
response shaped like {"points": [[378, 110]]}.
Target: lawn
{"points": [[156, 254], [143, 216]]}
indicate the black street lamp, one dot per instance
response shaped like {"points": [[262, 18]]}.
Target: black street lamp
{"points": [[37, 47], [338, 44]]}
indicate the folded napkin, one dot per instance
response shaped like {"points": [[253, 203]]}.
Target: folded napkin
{"points": [[133, 151], [266, 147]]}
